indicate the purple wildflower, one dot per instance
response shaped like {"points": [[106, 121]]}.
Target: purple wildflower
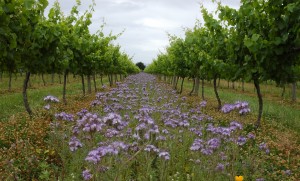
{"points": [[207, 151], [235, 125], [111, 133], [51, 98], [227, 108], [197, 145], [150, 148], [82, 113], [241, 140], [203, 103], [74, 144], [113, 119], [251, 136], [93, 156], [244, 111], [165, 131], [214, 143], [220, 167], [241, 106], [164, 154], [162, 138], [90, 123], [86, 175], [264, 147], [136, 136], [47, 107], [104, 86], [95, 103], [64, 116]]}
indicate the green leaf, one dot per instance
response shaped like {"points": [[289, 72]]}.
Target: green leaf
{"points": [[285, 37], [255, 37], [28, 4], [13, 41], [290, 7], [277, 40], [248, 42]]}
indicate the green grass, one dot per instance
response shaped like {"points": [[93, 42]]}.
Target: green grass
{"points": [[279, 112], [12, 102]]}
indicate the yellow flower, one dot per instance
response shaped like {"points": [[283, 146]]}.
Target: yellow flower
{"points": [[239, 178]]}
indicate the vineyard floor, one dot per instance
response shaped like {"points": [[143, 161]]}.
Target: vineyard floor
{"points": [[11, 102], [276, 110], [141, 144]]}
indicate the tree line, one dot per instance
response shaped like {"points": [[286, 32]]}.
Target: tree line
{"points": [[33, 43], [259, 41]]}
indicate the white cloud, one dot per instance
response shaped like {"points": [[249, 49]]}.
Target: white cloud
{"points": [[157, 23], [146, 22]]}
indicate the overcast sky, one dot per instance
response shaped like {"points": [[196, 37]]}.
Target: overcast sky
{"points": [[146, 22]]}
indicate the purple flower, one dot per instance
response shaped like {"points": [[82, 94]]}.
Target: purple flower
{"points": [[93, 156], [82, 113], [235, 125], [165, 131], [113, 119], [111, 133], [162, 138], [136, 136], [241, 140], [150, 148], [95, 103], [214, 143], [64, 116], [260, 179], [244, 111], [114, 148], [90, 123], [184, 123], [264, 147], [227, 108], [220, 167], [164, 155], [51, 98], [47, 107], [251, 136], [241, 106], [198, 131], [74, 144], [207, 151], [197, 145], [104, 86], [203, 103], [147, 135], [141, 126], [86, 175]]}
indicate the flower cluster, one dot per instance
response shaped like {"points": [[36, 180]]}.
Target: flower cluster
{"points": [[114, 148], [241, 106], [89, 123], [264, 147], [74, 144], [51, 98], [139, 116], [64, 116]]}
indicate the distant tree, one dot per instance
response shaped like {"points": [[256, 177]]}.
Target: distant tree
{"points": [[141, 65]]}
